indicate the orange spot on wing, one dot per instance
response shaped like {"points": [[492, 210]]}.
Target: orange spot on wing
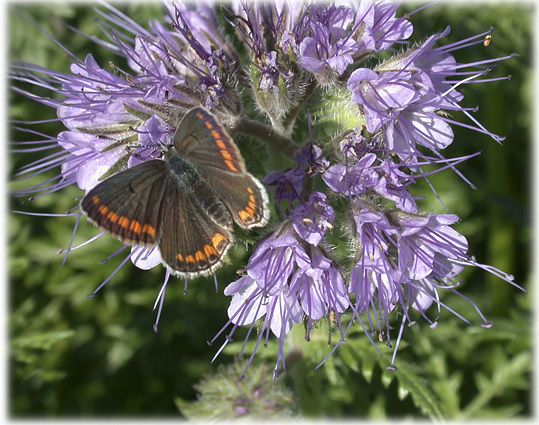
{"points": [[112, 216], [220, 144], [200, 256], [216, 240], [135, 227], [148, 229], [230, 165], [124, 222], [248, 213], [209, 250], [245, 216], [225, 154]]}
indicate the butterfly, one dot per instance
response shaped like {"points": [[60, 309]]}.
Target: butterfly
{"points": [[184, 203]]}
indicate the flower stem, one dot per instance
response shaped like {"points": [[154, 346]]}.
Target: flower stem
{"points": [[266, 134], [292, 114]]}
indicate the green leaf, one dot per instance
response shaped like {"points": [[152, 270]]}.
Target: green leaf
{"points": [[40, 340], [411, 383], [351, 359], [500, 382], [367, 367], [448, 391]]}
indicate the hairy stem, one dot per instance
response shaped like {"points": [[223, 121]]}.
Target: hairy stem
{"points": [[292, 114], [266, 134]]}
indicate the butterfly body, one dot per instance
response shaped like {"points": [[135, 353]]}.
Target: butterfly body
{"points": [[186, 202]]}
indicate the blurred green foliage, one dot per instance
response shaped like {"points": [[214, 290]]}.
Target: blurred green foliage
{"points": [[71, 356]]}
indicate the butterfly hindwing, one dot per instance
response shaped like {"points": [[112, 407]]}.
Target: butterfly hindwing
{"points": [[244, 196], [199, 243]]}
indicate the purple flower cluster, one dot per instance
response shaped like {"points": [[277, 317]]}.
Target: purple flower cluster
{"points": [[401, 258]]}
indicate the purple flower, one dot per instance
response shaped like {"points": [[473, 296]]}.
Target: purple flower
{"points": [[320, 287], [286, 185], [330, 46], [312, 218], [352, 180], [406, 259], [369, 175], [421, 238], [95, 97], [403, 105], [332, 38], [274, 260], [265, 291], [249, 303], [145, 258], [403, 97], [285, 280], [383, 95], [310, 159], [90, 157], [374, 273], [152, 137], [379, 28], [197, 20]]}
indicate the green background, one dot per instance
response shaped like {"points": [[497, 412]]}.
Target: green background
{"points": [[71, 356]]}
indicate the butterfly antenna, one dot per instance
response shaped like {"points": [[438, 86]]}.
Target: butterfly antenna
{"points": [[163, 146], [131, 150], [167, 117]]}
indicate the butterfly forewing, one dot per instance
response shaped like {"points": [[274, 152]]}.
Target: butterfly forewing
{"points": [[204, 143], [201, 140], [127, 204]]}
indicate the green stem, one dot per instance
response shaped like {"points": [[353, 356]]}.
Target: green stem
{"points": [[266, 134], [288, 123]]}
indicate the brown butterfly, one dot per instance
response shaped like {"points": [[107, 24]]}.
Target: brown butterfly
{"points": [[186, 202]]}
